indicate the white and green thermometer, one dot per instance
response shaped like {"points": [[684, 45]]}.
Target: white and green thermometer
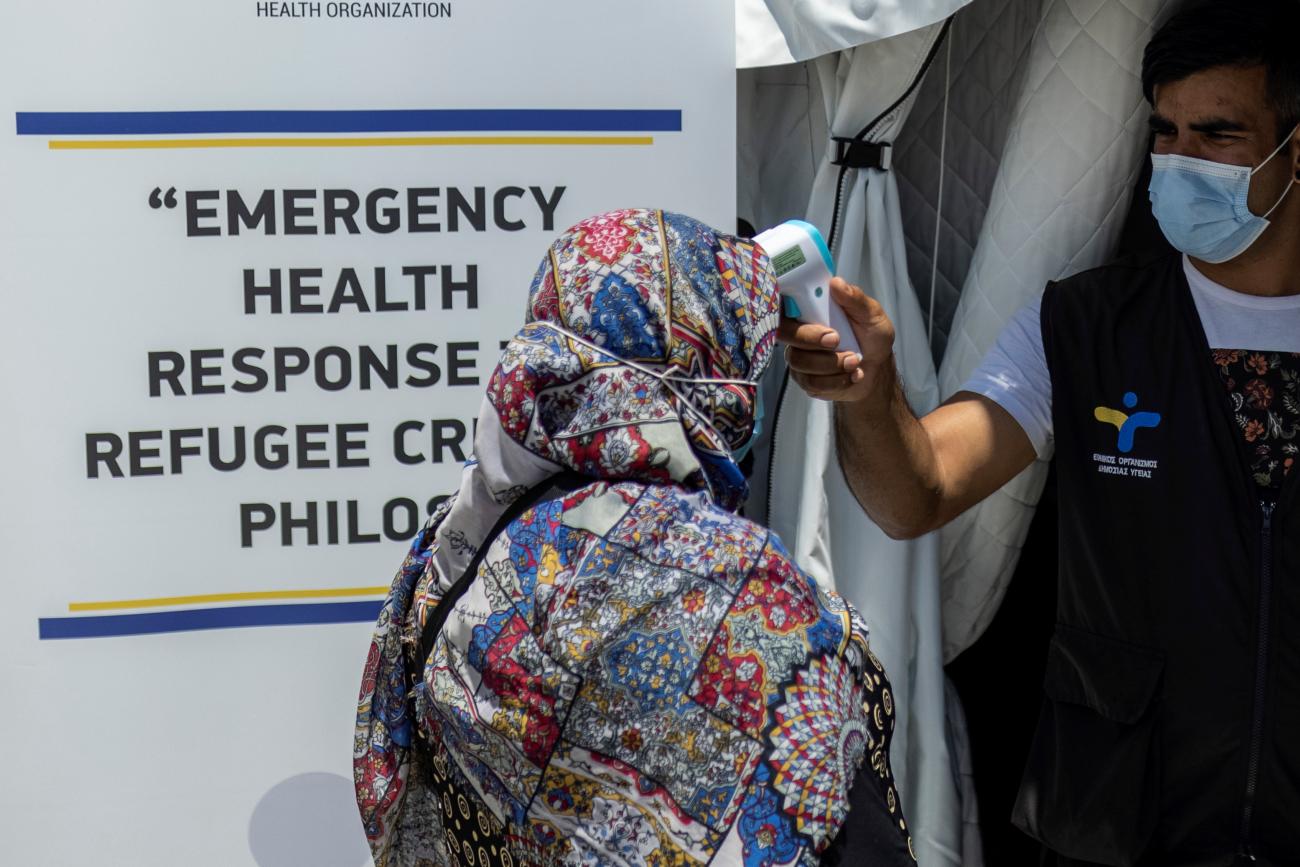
{"points": [[804, 267]]}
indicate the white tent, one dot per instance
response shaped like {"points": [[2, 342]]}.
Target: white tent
{"points": [[1015, 132]]}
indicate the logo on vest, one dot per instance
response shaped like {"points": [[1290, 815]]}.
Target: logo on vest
{"points": [[1128, 425]]}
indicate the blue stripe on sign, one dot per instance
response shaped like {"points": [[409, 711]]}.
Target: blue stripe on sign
{"points": [[194, 619], [384, 120]]}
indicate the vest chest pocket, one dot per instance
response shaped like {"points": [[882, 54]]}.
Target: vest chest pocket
{"points": [[1091, 784]]}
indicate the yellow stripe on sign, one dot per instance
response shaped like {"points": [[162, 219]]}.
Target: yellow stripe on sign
{"points": [[401, 141], [250, 596]]}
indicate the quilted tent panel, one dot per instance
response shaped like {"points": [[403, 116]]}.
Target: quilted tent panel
{"points": [[780, 141], [1057, 207], [982, 78]]}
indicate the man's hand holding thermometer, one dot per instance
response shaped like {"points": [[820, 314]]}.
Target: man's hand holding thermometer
{"points": [[840, 343], [910, 475]]}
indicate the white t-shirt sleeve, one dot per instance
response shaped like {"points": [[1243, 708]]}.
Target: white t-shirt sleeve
{"points": [[1014, 375]]}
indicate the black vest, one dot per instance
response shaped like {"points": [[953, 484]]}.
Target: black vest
{"points": [[1170, 731]]}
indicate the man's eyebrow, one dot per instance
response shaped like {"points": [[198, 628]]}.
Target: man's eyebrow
{"points": [[1218, 124], [1160, 123]]}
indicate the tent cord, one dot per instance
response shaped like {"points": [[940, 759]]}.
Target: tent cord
{"points": [[938, 208]]}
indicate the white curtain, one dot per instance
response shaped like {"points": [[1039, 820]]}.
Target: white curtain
{"points": [[894, 584]]}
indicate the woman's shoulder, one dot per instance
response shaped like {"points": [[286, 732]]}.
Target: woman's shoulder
{"points": [[685, 538]]}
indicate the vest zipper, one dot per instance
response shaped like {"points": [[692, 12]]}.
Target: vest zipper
{"points": [[1267, 509], [1261, 670]]}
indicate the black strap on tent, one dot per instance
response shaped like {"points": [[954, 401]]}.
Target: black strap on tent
{"points": [[551, 487], [861, 138], [854, 153]]}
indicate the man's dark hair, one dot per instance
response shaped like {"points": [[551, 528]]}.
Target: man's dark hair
{"points": [[1232, 33]]}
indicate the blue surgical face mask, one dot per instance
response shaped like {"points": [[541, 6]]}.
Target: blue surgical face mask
{"points": [[739, 454], [1201, 204]]}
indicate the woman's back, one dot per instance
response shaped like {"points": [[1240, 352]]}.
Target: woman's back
{"points": [[621, 671]]}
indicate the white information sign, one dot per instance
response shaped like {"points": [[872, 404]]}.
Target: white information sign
{"points": [[258, 262]]}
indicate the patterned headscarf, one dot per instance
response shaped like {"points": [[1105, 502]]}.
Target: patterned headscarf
{"points": [[670, 294]]}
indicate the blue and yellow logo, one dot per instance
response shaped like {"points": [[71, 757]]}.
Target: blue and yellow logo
{"points": [[1128, 425]]}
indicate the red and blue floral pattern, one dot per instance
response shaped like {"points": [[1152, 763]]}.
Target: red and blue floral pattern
{"points": [[636, 674], [1264, 388]]}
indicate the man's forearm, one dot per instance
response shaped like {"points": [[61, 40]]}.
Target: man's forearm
{"points": [[888, 459], [910, 475]]}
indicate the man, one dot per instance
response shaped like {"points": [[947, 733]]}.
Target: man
{"points": [[1168, 388]]}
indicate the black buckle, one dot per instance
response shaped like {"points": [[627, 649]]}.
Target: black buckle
{"points": [[858, 154]]}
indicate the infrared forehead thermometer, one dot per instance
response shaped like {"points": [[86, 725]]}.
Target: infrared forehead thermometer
{"points": [[804, 267]]}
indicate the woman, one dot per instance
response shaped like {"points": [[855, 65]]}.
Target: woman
{"points": [[587, 656]]}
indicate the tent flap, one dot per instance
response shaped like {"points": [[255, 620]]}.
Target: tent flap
{"points": [[771, 32]]}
